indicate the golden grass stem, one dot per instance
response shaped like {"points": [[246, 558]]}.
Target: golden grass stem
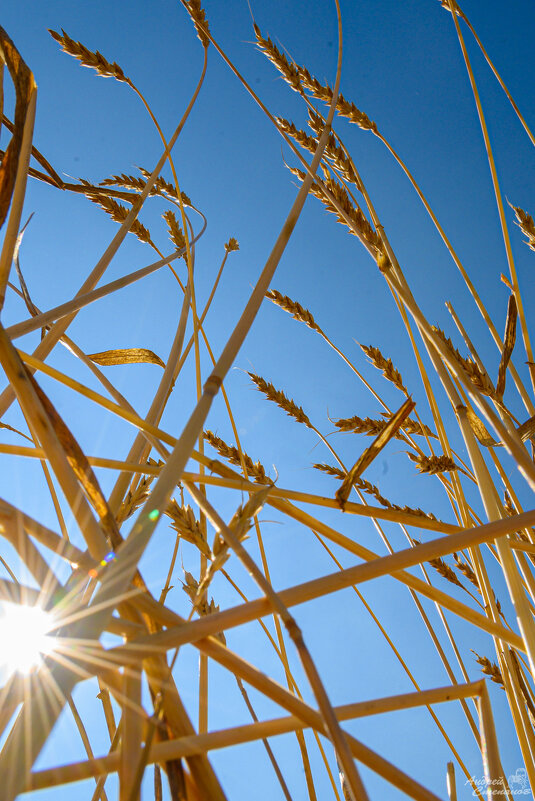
{"points": [[491, 753], [101, 796], [59, 328], [81, 301], [451, 783], [499, 201], [497, 76], [329, 718], [131, 739], [172, 749], [17, 200], [387, 565]]}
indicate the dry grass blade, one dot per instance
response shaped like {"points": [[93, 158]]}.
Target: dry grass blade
{"points": [[277, 396], [80, 466], [108, 358], [24, 86], [15, 163], [375, 448], [254, 469], [479, 429], [30, 305], [388, 369], [88, 58], [508, 345], [52, 177], [343, 784], [294, 308], [158, 795], [527, 429], [185, 524]]}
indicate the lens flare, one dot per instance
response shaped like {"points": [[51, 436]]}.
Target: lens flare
{"points": [[24, 637]]}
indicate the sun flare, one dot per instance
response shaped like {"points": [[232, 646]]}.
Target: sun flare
{"points": [[24, 637]]}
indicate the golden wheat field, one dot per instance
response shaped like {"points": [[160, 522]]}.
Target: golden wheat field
{"points": [[268, 401]]}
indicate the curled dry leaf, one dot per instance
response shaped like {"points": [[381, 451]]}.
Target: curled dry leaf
{"points": [[508, 345], [527, 429], [24, 83], [506, 281], [108, 358], [81, 467], [481, 433], [370, 453]]}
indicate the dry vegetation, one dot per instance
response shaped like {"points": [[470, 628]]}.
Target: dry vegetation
{"points": [[147, 723]]}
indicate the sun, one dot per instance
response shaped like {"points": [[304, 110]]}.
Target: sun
{"points": [[24, 637]]}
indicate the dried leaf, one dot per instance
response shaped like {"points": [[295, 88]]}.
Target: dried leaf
{"points": [[16, 431], [370, 453], [186, 525], [107, 358], [479, 429], [24, 84], [506, 281], [527, 429], [508, 345], [81, 467]]}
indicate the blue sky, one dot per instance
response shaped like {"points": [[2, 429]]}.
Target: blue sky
{"points": [[402, 65]]}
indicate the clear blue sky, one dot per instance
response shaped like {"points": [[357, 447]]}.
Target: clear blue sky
{"points": [[403, 67]]}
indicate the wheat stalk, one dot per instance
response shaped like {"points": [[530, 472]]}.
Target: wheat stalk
{"points": [[160, 187], [371, 489], [434, 464], [288, 70], [277, 396], [489, 668], [88, 58], [294, 308], [388, 369], [119, 214], [230, 452], [185, 524], [526, 225]]}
